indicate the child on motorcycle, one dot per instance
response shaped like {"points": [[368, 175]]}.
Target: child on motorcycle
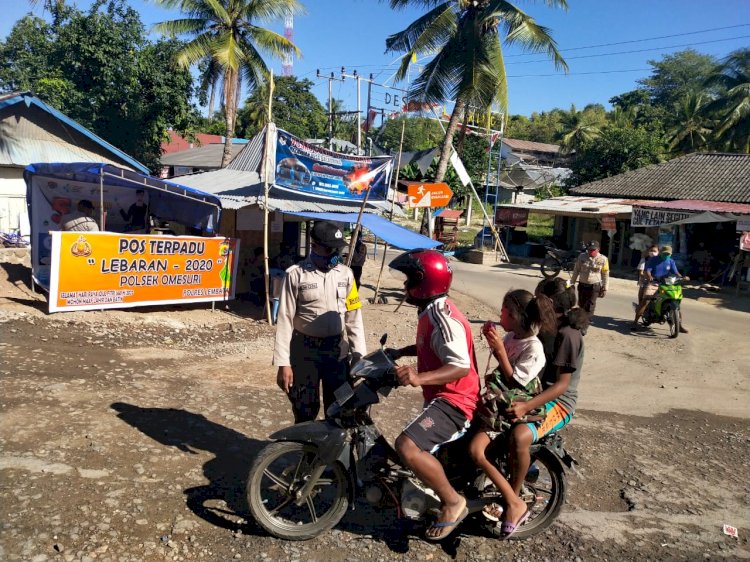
{"points": [[559, 379], [520, 355]]}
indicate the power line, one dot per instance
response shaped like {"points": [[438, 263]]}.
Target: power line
{"points": [[579, 73], [640, 40], [637, 50]]}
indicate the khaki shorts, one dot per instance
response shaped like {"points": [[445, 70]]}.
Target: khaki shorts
{"points": [[650, 290]]}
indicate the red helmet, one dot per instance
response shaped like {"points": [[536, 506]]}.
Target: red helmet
{"points": [[428, 274]]}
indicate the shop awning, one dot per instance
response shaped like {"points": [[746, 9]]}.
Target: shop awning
{"points": [[394, 234], [576, 206]]}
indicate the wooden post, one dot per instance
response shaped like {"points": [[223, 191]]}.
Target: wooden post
{"points": [[268, 166]]}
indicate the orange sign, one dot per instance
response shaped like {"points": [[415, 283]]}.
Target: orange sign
{"points": [[94, 270], [429, 194], [608, 222]]}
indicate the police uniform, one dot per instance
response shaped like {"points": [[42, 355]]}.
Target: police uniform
{"points": [[319, 325], [594, 278]]}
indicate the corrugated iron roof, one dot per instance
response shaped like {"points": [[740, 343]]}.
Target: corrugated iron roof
{"points": [[208, 156], [33, 131], [250, 156], [698, 205], [578, 206], [700, 176], [517, 144]]}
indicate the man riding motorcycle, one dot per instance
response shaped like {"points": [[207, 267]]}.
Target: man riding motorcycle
{"points": [[656, 268], [447, 372]]}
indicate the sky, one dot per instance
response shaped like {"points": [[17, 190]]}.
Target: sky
{"points": [[607, 44]]}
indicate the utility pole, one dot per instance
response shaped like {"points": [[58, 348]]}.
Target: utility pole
{"points": [[330, 79]]}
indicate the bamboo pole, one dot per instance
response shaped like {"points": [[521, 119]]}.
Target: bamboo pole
{"points": [[393, 204], [266, 152]]}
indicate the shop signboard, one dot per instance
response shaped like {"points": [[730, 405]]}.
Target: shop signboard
{"points": [[508, 216], [647, 216], [316, 171], [95, 270], [429, 195]]}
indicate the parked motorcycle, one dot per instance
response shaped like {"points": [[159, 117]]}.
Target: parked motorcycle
{"points": [[664, 306], [301, 484], [557, 260]]}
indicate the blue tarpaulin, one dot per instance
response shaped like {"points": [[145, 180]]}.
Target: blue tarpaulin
{"points": [[395, 235]]}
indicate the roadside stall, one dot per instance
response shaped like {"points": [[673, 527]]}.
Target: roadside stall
{"points": [[106, 237]]}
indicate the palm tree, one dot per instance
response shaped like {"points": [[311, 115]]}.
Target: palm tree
{"points": [[465, 38], [689, 132], [580, 127], [226, 31], [733, 106]]}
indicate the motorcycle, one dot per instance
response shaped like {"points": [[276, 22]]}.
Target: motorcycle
{"points": [[557, 260], [664, 306], [301, 484]]}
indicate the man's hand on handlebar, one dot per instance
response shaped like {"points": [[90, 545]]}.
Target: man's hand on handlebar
{"points": [[407, 376]]}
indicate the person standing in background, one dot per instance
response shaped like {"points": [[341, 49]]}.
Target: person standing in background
{"points": [[592, 268]]}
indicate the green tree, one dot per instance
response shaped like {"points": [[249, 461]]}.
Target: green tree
{"points": [[420, 133], [295, 109], [228, 32], [615, 151], [732, 106], [581, 127], [691, 131], [98, 68], [676, 75], [464, 39]]}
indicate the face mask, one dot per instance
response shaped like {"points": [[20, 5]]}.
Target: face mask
{"points": [[325, 263], [666, 256]]}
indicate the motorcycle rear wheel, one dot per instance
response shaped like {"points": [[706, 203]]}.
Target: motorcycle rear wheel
{"points": [[673, 319], [551, 267], [548, 490], [278, 472]]}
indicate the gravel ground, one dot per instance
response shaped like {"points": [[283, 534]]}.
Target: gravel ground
{"points": [[128, 436]]}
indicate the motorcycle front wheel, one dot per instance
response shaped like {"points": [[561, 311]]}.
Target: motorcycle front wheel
{"points": [[674, 319], [544, 495], [278, 474], [551, 267]]}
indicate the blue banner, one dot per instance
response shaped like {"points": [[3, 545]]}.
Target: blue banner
{"points": [[310, 169]]}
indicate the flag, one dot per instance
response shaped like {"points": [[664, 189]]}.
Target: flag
{"points": [[370, 119]]}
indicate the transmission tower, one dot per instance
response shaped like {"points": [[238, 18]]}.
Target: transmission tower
{"points": [[286, 65]]}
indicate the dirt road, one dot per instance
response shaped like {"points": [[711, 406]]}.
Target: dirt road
{"points": [[127, 436]]}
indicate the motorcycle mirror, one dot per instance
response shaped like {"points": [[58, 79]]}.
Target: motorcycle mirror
{"points": [[383, 339]]}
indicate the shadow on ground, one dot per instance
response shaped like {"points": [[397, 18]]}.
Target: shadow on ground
{"points": [[226, 472]]}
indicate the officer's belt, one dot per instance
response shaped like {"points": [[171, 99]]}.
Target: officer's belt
{"points": [[328, 341]]}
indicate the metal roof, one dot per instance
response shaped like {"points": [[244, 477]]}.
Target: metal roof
{"points": [[571, 206], [517, 144], [249, 158], [699, 176], [32, 131], [698, 205], [208, 156]]}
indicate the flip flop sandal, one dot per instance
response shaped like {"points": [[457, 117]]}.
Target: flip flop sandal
{"points": [[447, 527], [507, 528]]}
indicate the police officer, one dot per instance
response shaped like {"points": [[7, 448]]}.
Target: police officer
{"points": [[593, 269], [319, 324]]}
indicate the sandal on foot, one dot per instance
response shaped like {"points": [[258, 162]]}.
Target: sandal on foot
{"points": [[507, 528], [493, 511], [447, 527]]}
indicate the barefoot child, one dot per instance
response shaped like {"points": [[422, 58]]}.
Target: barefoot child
{"points": [[520, 355]]}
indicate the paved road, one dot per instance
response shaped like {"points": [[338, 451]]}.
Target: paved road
{"points": [[489, 283]]}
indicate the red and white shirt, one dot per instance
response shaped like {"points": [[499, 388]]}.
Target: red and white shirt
{"points": [[444, 338]]}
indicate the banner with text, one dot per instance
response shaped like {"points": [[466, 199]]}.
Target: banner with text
{"points": [[311, 169], [94, 270], [645, 216]]}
